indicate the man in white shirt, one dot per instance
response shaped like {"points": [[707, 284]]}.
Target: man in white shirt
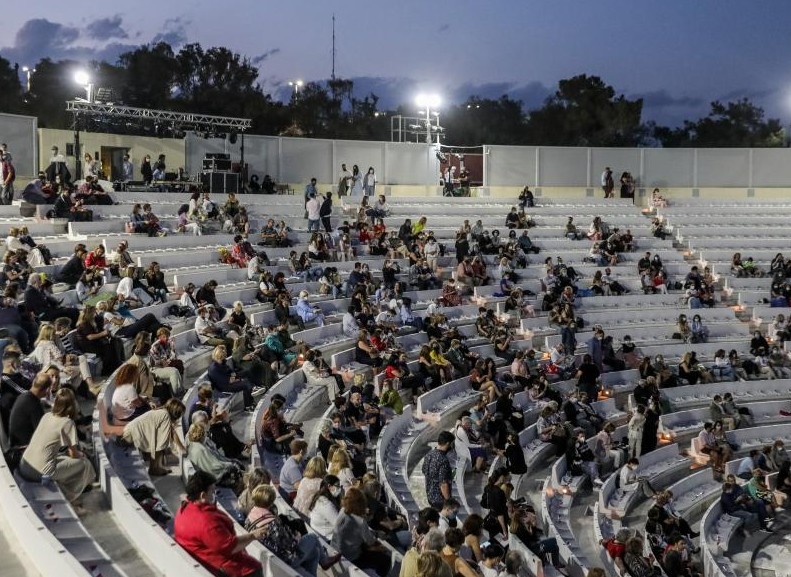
{"points": [[313, 207], [387, 317], [628, 480], [343, 181], [447, 516], [130, 294], [120, 259], [127, 327], [127, 169], [559, 358], [292, 470], [467, 438], [255, 268], [208, 332]]}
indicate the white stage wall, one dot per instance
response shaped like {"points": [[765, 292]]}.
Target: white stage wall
{"points": [[296, 160], [19, 133]]}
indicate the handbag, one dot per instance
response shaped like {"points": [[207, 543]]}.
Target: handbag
{"points": [[491, 524]]}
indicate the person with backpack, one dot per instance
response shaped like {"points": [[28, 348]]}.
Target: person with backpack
{"points": [[495, 500], [8, 174]]}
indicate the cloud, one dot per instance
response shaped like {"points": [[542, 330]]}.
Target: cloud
{"points": [[174, 32], [40, 38], [663, 99], [261, 58], [106, 28]]}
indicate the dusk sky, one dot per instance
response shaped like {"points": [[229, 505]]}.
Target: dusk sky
{"points": [[679, 55]]}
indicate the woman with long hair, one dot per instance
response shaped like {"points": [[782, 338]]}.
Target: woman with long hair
{"points": [[354, 538], [154, 434], [98, 341], [310, 485], [71, 470]]}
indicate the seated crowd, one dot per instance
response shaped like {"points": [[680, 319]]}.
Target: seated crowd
{"points": [[53, 354]]}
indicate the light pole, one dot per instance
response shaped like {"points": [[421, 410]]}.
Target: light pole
{"points": [[83, 79], [296, 84], [28, 71], [428, 101]]}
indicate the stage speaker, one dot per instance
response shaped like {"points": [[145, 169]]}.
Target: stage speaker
{"points": [[220, 182], [217, 164]]}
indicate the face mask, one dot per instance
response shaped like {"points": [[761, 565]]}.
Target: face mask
{"points": [[335, 491], [452, 516]]}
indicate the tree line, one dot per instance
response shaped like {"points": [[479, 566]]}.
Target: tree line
{"points": [[583, 111]]}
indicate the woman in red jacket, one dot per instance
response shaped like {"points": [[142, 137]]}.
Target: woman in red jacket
{"points": [[208, 534]]}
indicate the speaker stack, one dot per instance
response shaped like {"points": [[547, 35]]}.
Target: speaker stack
{"points": [[216, 176]]}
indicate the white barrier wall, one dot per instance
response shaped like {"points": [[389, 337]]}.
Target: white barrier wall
{"points": [[660, 167], [296, 160], [19, 133]]}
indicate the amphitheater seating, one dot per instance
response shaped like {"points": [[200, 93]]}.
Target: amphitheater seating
{"points": [[746, 439], [120, 469], [683, 423], [716, 530], [193, 259], [700, 395], [658, 467], [693, 493]]}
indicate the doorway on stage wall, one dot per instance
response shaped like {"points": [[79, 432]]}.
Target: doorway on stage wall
{"points": [[112, 158], [452, 163]]}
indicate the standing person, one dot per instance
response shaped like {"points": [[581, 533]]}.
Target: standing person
{"points": [[8, 177], [146, 171], [437, 470], [57, 167], [127, 169], [369, 182], [635, 432], [356, 182], [325, 212], [91, 167], [313, 208], [208, 533], [607, 182], [343, 182], [310, 190]]}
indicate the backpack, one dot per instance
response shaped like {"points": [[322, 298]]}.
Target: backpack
{"points": [[179, 311]]}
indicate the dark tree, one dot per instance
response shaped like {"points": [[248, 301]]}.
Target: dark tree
{"points": [[586, 112], [150, 72], [485, 121], [738, 124], [11, 94]]}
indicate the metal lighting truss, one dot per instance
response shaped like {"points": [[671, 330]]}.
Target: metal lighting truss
{"points": [[184, 120]]}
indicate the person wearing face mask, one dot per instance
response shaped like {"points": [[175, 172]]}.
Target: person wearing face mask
{"points": [[581, 459], [208, 534], [163, 360], [325, 507], [448, 514]]}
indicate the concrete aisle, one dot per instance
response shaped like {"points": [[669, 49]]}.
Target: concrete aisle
{"points": [[14, 563]]}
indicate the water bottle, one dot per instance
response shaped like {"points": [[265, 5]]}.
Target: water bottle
{"points": [[46, 480]]}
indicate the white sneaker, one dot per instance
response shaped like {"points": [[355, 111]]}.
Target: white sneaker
{"points": [[597, 482]]}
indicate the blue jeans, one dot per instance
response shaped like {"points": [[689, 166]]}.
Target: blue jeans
{"points": [[313, 224], [309, 553]]}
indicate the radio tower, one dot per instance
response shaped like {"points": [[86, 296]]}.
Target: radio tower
{"points": [[333, 46]]}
